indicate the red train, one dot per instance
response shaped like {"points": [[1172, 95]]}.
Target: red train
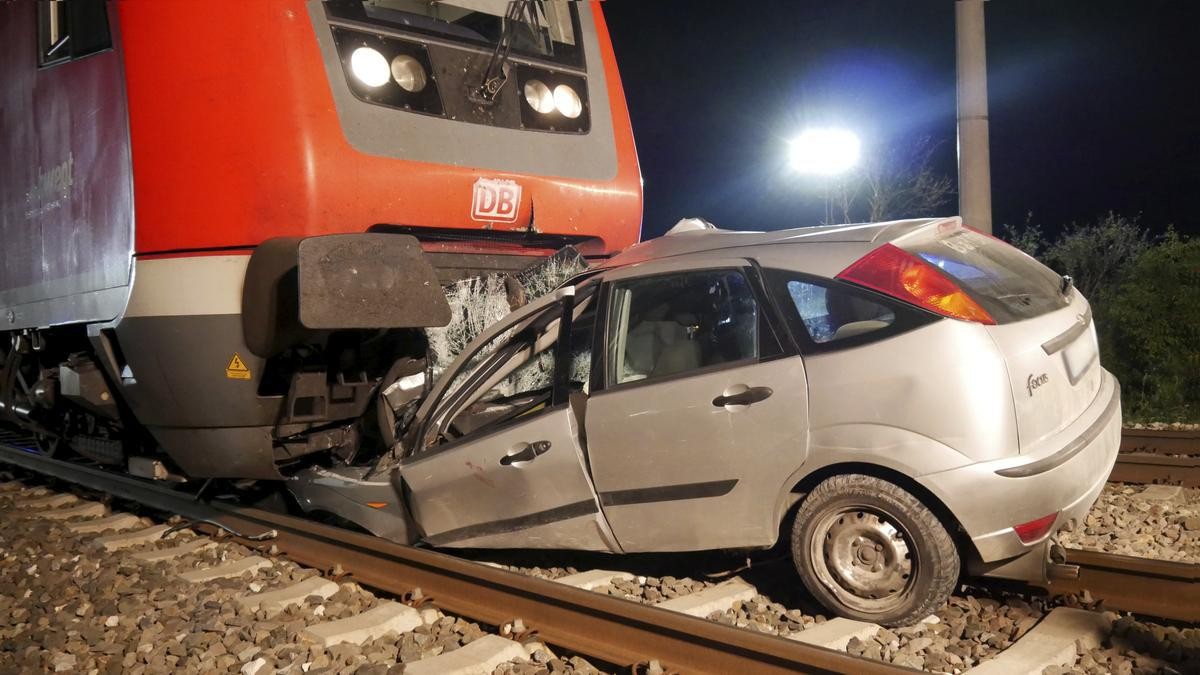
{"points": [[225, 223]]}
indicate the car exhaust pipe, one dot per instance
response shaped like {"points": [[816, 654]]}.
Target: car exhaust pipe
{"points": [[1057, 568]]}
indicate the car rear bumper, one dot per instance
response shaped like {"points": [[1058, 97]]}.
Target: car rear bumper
{"points": [[989, 498]]}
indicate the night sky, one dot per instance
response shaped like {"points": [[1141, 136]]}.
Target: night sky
{"points": [[1094, 104]]}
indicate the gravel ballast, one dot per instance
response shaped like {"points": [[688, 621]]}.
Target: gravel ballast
{"points": [[69, 606], [1139, 648], [1163, 426], [1123, 521], [965, 632], [647, 590]]}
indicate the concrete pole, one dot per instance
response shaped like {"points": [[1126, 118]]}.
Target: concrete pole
{"points": [[974, 163]]}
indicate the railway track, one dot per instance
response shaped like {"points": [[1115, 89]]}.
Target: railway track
{"points": [[608, 629], [1161, 588], [597, 626], [1153, 456]]}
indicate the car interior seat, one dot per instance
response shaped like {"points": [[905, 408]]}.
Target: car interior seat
{"points": [[678, 351], [854, 316], [661, 345]]}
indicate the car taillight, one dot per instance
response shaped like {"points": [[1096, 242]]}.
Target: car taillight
{"points": [[1035, 529], [902, 275]]}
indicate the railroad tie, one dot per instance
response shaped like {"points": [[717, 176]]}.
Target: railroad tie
{"points": [[388, 617], [173, 552], [712, 599], [85, 509], [291, 595], [232, 569], [1052, 642], [836, 633], [1159, 493], [480, 657], [120, 540], [593, 579], [52, 501], [120, 521], [11, 486]]}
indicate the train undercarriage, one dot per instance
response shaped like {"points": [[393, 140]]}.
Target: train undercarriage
{"points": [[321, 391]]}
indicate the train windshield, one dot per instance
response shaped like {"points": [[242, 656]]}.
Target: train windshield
{"points": [[546, 29]]}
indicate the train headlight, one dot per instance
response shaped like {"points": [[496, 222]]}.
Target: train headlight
{"points": [[552, 101], [539, 97], [369, 66], [567, 101], [408, 73]]}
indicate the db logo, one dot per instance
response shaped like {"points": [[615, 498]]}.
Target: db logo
{"points": [[496, 201]]}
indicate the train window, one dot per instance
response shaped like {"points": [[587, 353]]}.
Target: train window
{"points": [[550, 32], [71, 30]]}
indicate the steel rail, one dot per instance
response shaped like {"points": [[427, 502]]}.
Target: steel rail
{"points": [[1161, 588], [1138, 467], [1160, 441], [606, 628]]}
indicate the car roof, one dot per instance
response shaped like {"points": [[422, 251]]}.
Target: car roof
{"points": [[693, 236]]}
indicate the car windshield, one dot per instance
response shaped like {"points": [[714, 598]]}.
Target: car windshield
{"points": [[479, 22]]}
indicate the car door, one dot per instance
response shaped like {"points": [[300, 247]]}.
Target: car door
{"points": [[499, 461], [703, 415]]}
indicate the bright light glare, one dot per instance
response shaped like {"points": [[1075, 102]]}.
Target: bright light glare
{"points": [[567, 101], [539, 96], [824, 151], [370, 67]]}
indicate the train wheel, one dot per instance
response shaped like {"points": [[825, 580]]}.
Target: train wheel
{"points": [[871, 551], [48, 445]]}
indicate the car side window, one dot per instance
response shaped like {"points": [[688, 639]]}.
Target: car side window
{"points": [[517, 376], [830, 313], [671, 324]]}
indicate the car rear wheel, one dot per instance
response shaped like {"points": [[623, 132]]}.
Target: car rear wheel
{"points": [[869, 550]]}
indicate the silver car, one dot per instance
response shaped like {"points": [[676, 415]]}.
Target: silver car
{"points": [[904, 402]]}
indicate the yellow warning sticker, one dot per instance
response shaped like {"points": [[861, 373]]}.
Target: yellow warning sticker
{"points": [[237, 370]]}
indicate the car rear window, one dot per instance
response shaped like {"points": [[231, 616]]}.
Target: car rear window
{"points": [[1009, 284]]}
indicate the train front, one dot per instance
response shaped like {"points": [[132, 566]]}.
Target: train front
{"points": [[298, 169]]}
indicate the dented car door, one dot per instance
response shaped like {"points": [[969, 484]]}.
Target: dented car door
{"points": [[499, 461]]}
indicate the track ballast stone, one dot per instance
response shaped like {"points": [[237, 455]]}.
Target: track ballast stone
{"points": [[69, 606], [963, 633], [1122, 522], [1139, 648], [648, 590]]}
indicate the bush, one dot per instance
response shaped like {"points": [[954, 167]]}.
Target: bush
{"points": [[1099, 256], [1145, 298], [1153, 332]]}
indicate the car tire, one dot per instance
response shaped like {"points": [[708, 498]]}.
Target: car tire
{"points": [[869, 550]]}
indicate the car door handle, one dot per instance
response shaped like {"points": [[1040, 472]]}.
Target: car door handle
{"points": [[520, 455], [751, 395]]}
